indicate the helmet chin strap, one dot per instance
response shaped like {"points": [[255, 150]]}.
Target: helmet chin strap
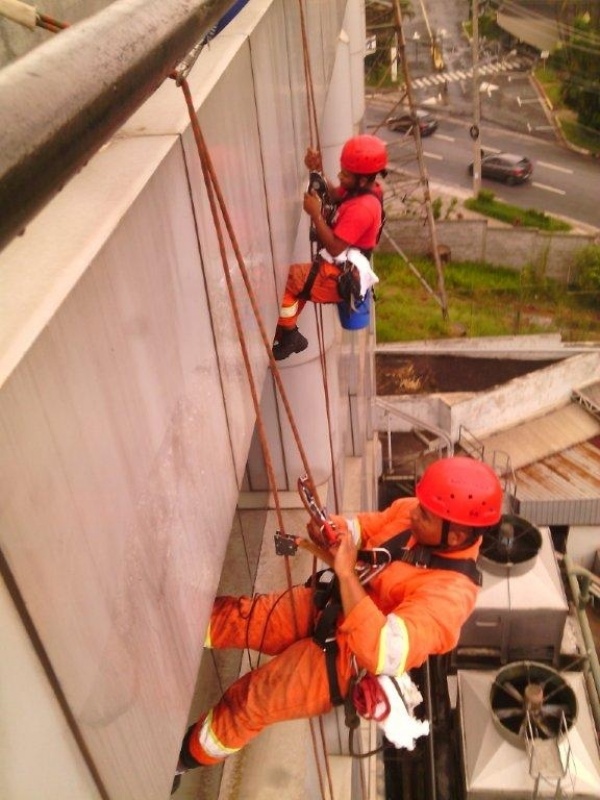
{"points": [[472, 537], [445, 532]]}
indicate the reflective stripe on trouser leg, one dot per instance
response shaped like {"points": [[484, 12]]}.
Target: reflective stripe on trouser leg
{"points": [[268, 623], [292, 685], [292, 305]]}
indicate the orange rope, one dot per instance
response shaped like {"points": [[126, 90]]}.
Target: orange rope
{"points": [[308, 82], [50, 24]]}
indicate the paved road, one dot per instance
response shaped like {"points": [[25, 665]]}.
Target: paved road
{"points": [[564, 182]]}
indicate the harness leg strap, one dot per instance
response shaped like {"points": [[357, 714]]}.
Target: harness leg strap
{"points": [[324, 636]]}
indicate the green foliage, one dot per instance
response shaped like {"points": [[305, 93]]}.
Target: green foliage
{"points": [[485, 203], [484, 300], [587, 267], [436, 207]]}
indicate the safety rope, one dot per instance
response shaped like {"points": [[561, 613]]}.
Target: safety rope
{"points": [[215, 196], [29, 16], [308, 83], [315, 142]]}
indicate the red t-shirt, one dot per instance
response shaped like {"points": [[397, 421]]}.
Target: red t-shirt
{"points": [[358, 220]]}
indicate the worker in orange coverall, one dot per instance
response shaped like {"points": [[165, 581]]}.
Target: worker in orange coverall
{"points": [[353, 231], [414, 607]]}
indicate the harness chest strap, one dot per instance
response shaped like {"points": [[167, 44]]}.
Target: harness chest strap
{"points": [[420, 556]]}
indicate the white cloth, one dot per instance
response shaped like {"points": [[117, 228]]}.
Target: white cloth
{"points": [[400, 727], [367, 277]]}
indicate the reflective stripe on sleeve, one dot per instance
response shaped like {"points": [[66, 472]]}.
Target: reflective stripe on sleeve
{"points": [[393, 646], [354, 530], [210, 743], [288, 311]]}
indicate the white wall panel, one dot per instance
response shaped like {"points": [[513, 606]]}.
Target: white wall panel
{"points": [[114, 518], [231, 133], [125, 412], [30, 713], [284, 173]]}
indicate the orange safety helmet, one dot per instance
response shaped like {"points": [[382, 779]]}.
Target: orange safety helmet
{"points": [[364, 155], [461, 490]]}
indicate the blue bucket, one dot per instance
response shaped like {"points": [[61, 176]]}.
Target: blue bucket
{"points": [[357, 318]]}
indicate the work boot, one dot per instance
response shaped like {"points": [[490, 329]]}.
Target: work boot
{"points": [[186, 760], [288, 341]]}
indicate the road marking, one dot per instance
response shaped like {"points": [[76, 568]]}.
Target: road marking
{"points": [[445, 138], [547, 188], [433, 155], [553, 166]]}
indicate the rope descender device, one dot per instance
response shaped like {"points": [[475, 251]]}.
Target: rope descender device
{"points": [[318, 185], [320, 528]]}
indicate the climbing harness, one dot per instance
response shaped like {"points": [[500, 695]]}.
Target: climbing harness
{"points": [[370, 562]]}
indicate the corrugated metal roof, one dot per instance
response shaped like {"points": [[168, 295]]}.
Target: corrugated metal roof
{"points": [[543, 436], [573, 474], [591, 392], [556, 460]]}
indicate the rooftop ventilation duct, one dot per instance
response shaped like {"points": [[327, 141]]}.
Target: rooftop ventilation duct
{"points": [[521, 608], [527, 732]]}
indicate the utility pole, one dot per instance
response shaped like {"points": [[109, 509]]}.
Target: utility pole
{"points": [[421, 161], [474, 130]]}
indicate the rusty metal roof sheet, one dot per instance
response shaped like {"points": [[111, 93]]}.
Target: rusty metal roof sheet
{"points": [[540, 437], [573, 474], [556, 461]]}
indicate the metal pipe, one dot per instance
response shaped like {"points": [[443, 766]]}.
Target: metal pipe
{"points": [[62, 101], [573, 572]]}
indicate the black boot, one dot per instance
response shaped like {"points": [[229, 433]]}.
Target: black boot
{"points": [[288, 341], [186, 760]]}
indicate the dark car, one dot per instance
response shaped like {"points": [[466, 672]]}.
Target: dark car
{"points": [[404, 123], [505, 167]]}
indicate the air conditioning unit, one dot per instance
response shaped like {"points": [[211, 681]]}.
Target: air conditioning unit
{"points": [[527, 731], [521, 608]]}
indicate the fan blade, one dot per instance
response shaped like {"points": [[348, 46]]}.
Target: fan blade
{"points": [[509, 713], [555, 710], [543, 728], [510, 690]]}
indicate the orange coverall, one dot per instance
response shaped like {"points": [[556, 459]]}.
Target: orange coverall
{"points": [[409, 613], [357, 222]]}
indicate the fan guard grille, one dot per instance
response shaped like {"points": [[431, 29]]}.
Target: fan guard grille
{"points": [[531, 699], [511, 546]]}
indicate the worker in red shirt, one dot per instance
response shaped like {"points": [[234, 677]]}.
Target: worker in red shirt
{"points": [[388, 619], [356, 225]]}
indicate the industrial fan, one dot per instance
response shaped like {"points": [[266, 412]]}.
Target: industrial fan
{"points": [[532, 701], [514, 541]]}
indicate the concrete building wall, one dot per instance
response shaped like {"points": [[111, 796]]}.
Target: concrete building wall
{"points": [[126, 414]]}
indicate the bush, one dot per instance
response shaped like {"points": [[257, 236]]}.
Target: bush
{"points": [[587, 267]]}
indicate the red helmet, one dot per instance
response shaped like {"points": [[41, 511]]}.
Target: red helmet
{"points": [[462, 490], [364, 155]]}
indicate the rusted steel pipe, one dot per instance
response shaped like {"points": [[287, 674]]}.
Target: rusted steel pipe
{"points": [[62, 101]]}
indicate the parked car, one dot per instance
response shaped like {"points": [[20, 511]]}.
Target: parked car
{"points": [[505, 167], [404, 123]]}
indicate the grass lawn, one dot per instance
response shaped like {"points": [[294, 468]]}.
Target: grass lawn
{"points": [[482, 301]]}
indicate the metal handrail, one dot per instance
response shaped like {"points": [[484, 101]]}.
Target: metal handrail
{"points": [[581, 598], [415, 422]]}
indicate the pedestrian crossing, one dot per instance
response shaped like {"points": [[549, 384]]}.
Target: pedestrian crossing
{"points": [[442, 79]]}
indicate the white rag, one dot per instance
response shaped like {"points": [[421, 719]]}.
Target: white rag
{"points": [[367, 277], [400, 727]]}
